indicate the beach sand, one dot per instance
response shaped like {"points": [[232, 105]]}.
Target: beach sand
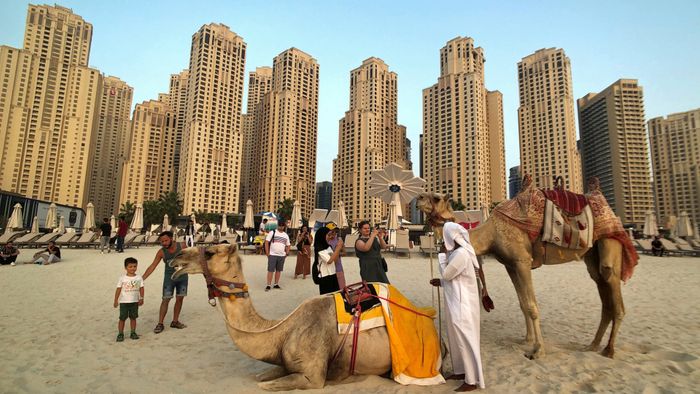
{"points": [[58, 330]]}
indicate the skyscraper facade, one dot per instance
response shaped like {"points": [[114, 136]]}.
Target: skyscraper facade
{"points": [[211, 150], [111, 141], [47, 125], [324, 195], [675, 156], [259, 83], [286, 123], [369, 139], [149, 170], [614, 148], [462, 148], [177, 101], [546, 120], [514, 181]]}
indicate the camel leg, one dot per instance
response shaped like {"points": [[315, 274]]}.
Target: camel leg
{"points": [[526, 293], [610, 268], [593, 265], [529, 336], [270, 374], [309, 380]]}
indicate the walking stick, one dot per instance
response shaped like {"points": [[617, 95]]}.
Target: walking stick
{"points": [[439, 307]]}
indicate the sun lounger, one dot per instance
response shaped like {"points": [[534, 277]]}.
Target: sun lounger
{"points": [[403, 245], [643, 245], [10, 236], [208, 240], [26, 239], [680, 248], [65, 239], [427, 244], [45, 239], [135, 241], [350, 240], [87, 239]]}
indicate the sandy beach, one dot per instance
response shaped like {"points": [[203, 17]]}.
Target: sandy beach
{"points": [[58, 329]]}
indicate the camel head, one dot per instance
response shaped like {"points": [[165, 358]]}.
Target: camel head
{"points": [[436, 207], [222, 261]]}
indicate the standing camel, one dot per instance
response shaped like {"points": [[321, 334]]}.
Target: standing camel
{"points": [[609, 259]]}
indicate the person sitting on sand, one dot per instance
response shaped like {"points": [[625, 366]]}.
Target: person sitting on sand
{"points": [[52, 254], [657, 247], [8, 254]]}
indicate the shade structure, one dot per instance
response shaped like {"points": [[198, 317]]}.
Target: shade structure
{"points": [[90, 217], [650, 228], [51, 219], [393, 183], [166, 223], [61, 225], [137, 221], [35, 224], [16, 218], [484, 213], [684, 227], [248, 222], [392, 220], [342, 217], [296, 216], [194, 222], [318, 215], [112, 221], [224, 224], [671, 224]]}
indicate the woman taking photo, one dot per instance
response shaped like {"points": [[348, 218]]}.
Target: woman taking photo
{"points": [[304, 240], [368, 249]]}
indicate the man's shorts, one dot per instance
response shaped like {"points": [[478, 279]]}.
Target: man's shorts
{"points": [[129, 309], [178, 287], [275, 263]]}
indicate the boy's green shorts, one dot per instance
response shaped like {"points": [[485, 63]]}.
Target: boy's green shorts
{"points": [[130, 310]]}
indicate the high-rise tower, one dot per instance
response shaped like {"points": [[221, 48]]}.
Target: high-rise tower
{"points": [[286, 123], [614, 148], [210, 155], [369, 138], [462, 148], [675, 155], [546, 120]]}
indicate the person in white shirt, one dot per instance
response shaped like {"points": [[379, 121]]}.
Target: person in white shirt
{"points": [[128, 297], [261, 229], [458, 268], [276, 248]]}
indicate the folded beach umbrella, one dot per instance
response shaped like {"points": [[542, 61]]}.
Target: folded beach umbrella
{"points": [[248, 222], [35, 224], [50, 221], [90, 217], [224, 224], [137, 221], [296, 216]]}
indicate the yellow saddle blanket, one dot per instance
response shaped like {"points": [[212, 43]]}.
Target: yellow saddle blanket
{"points": [[413, 339]]}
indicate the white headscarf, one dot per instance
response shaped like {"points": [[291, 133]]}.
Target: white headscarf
{"points": [[454, 234]]}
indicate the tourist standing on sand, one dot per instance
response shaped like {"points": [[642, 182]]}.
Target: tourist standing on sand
{"points": [[368, 249], [169, 250]]}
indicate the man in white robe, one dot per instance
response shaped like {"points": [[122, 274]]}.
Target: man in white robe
{"points": [[462, 300]]}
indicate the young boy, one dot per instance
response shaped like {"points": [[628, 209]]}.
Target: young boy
{"points": [[128, 297]]}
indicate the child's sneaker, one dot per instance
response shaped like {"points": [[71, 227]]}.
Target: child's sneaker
{"points": [[267, 288], [120, 337], [134, 335]]}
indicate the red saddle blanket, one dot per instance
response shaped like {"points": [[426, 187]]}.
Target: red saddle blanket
{"points": [[567, 201]]}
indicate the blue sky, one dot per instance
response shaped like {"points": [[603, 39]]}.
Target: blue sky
{"points": [[143, 42]]}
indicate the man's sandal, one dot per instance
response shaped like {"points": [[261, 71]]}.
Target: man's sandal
{"points": [[177, 324], [159, 328]]}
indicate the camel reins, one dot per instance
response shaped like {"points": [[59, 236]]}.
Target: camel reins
{"points": [[213, 283]]}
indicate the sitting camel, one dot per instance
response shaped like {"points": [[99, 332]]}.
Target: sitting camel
{"points": [[609, 259], [302, 344]]}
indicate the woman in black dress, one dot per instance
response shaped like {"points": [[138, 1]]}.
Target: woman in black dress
{"points": [[368, 249]]}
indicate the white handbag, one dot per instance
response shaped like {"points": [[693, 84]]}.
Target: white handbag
{"points": [[325, 269]]}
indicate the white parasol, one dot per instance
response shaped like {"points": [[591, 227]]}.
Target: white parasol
{"points": [[50, 221], [342, 217], [90, 217], [166, 223], [137, 221], [35, 224], [296, 216], [61, 225], [393, 183], [248, 222], [683, 227], [224, 225], [650, 228]]}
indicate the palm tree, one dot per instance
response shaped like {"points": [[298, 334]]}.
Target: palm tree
{"points": [[127, 211], [457, 205], [152, 212], [171, 204], [285, 208]]}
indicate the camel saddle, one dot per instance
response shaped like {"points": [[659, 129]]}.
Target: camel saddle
{"points": [[568, 219]]}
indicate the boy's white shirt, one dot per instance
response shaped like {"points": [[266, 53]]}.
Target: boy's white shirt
{"points": [[131, 286]]}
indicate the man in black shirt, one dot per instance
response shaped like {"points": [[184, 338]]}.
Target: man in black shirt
{"points": [[106, 229]]}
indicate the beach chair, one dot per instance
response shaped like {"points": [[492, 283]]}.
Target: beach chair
{"points": [[684, 248], [230, 238], [695, 244], [208, 240], [45, 239], [87, 239], [671, 248], [135, 241], [26, 239], [427, 245], [350, 240], [65, 239], [10, 236], [643, 245], [403, 245]]}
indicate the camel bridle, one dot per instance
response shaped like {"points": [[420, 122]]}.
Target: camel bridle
{"points": [[214, 283]]}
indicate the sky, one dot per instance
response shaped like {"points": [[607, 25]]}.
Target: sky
{"points": [[143, 42]]}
